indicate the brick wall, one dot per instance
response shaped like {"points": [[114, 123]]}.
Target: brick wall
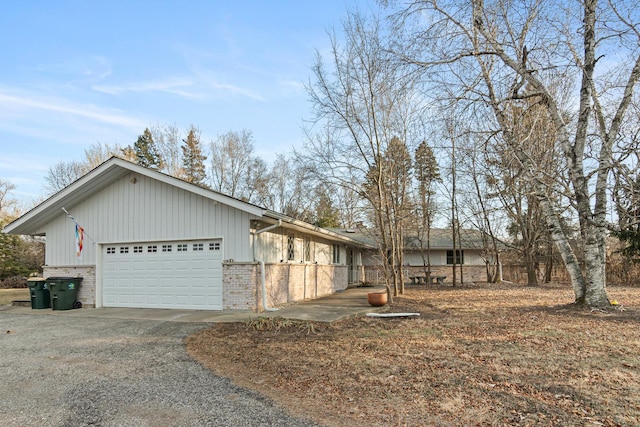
{"points": [[242, 288], [87, 291], [284, 282], [240, 284], [471, 273]]}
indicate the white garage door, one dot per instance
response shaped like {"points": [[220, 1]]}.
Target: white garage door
{"points": [[181, 274]]}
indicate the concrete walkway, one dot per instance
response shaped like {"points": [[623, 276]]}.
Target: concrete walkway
{"points": [[349, 303]]}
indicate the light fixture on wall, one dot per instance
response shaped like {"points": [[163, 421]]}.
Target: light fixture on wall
{"points": [[133, 180]]}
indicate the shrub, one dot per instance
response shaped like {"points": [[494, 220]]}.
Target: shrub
{"points": [[13, 282]]}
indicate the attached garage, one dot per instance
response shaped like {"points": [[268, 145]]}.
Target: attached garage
{"points": [[150, 240], [175, 274]]}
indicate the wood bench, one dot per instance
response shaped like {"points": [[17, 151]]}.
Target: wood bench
{"points": [[424, 280], [438, 279]]}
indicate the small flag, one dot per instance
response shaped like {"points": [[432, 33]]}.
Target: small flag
{"points": [[79, 240], [80, 233]]}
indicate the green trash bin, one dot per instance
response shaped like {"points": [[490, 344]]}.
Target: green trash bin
{"points": [[39, 292], [64, 292]]}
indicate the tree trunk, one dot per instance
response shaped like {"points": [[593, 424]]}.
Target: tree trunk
{"points": [[562, 243], [532, 270]]}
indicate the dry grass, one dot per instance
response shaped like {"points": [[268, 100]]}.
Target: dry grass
{"points": [[7, 296], [478, 355]]}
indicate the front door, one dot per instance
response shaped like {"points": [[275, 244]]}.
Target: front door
{"points": [[351, 265]]}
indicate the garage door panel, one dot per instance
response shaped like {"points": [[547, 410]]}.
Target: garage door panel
{"points": [[163, 275]]}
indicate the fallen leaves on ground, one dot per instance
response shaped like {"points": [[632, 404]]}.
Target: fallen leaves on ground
{"points": [[481, 354]]}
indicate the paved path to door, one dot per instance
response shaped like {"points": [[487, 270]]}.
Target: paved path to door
{"points": [[349, 303]]}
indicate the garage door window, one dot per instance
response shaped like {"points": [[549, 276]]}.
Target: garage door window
{"points": [[124, 249], [182, 247], [137, 249], [111, 251], [166, 248], [198, 247], [214, 246]]}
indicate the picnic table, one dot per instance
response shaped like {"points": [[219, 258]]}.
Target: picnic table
{"points": [[428, 279]]}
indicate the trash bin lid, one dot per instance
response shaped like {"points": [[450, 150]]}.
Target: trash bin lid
{"points": [[36, 279], [63, 278]]}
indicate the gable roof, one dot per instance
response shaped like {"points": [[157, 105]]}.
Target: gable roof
{"points": [[302, 226], [439, 238], [98, 179], [32, 222]]}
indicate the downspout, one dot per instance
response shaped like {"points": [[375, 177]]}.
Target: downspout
{"points": [[263, 278]]}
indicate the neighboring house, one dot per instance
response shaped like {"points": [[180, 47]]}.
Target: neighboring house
{"points": [[439, 254], [153, 240]]}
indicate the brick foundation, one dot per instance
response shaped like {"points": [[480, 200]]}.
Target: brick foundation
{"points": [[241, 286], [87, 291], [240, 283], [285, 283], [471, 273]]}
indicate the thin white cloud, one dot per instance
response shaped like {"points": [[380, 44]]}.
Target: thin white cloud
{"points": [[91, 68], [14, 102], [292, 86], [201, 88], [236, 90], [173, 86]]}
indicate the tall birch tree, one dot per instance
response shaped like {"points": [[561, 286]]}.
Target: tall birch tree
{"points": [[500, 53]]}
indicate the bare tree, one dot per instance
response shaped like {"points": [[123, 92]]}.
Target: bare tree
{"points": [[427, 173], [289, 190], [231, 158], [99, 153], [6, 203], [362, 102], [508, 52], [508, 180], [61, 174], [168, 145]]}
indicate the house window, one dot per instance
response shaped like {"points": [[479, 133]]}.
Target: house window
{"points": [[459, 257], [291, 247], [336, 254], [166, 248], [307, 249]]}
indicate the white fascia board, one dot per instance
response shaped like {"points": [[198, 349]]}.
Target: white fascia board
{"points": [[292, 223], [56, 202], [113, 169]]}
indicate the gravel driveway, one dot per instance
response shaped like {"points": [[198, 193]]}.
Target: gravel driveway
{"points": [[63, 371]]}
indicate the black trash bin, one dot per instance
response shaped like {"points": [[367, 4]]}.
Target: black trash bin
{"points": [[64, 292], [39, 293]]}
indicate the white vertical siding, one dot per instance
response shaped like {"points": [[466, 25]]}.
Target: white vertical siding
{"points": [[272, 248], [147, 210], [439, 257]]}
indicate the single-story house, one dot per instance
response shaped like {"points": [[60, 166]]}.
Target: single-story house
{"points": [[153, 240], [438, 253]]}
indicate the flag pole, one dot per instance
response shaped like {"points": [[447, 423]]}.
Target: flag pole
{"points": [[76, 223]]}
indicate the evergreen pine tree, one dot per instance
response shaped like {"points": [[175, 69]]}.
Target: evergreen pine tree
{"points": [[193, 159], [147, 153]]}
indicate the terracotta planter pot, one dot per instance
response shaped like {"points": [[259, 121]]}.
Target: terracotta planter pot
{"points": [[377, 299]]}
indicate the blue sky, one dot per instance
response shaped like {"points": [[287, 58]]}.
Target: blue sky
{"points": [[76, 73]]}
